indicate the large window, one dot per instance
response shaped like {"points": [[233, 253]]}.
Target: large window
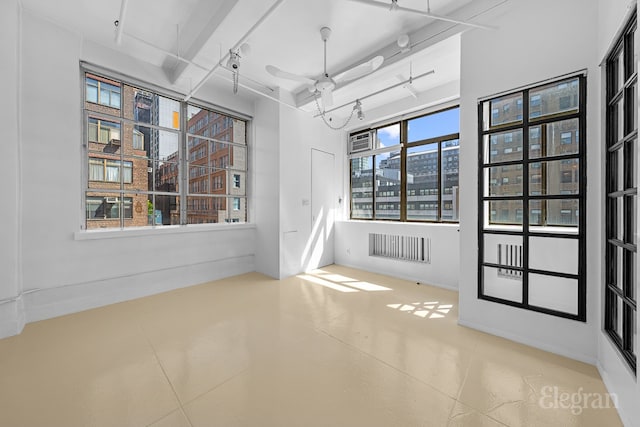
{"points": [[531, 201], [411, 173], [621, 153], [153, 160]]}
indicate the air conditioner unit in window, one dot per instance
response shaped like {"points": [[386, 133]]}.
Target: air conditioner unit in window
{"points": [[111, 199], [114, 137], [360, 142]]}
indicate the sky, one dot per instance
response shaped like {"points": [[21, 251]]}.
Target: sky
{"points": [[425, 127]]}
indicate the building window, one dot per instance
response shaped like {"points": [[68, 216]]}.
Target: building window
{"points": [[134, 155], [236, 181], [101, 208], [621, 154], [138, 140], [103, 131], [413, 175], [530, 199], [100, 91], [109, 170]]}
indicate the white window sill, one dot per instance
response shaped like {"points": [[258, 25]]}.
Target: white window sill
{"points": [[400, 223], [533, 229], [112, 233]]}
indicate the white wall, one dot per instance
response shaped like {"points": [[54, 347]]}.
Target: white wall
{"points": [[300, 133], [352, 249], [65, 270], [612, 15], [11, 320], [535, 41]]}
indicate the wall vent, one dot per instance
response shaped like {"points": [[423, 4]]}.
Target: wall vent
{"points": [[510, 256], [407, 248], [360, 142]]}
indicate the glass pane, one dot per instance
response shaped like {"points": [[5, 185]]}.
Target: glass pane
{"points": [[166, 147], [554, 98], [619, 317], [205, 210], [555, 293], [503, 147], [204, 180], [632, 99], [134, 210], [147, 107], [631, 290], [616, 169], [422, 181], [101, 132], [631, 163], [162, 210], [543, 254], [165, 176], [505, 212], [237, 183], [554, 139], [221, 155], [502, 111], [619, 216], [432, 125], [362, 188], [504, 250], [237, 158], [449, 179], [504, 180], [556, 177], [619, 71], [388, 185], [619, 265], [237, 210], [388, 136], [554, 212], [103, 209], [630, 226], [198, 151], [499, 285], [634, 331]]}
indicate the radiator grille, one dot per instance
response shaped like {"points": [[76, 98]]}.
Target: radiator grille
{"points": [[408, 248], [510, 256]]}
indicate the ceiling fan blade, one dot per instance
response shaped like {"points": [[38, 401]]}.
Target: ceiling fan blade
{"points": [[327, 98], [277, 72], [360, 70]]}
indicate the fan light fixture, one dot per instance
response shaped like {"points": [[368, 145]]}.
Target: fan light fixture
{"points": [[325, 84]]}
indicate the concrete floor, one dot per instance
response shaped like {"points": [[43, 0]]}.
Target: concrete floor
{"points": [[336, 347]]}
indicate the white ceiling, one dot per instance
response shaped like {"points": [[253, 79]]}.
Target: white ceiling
{"points": [[203, 31]]}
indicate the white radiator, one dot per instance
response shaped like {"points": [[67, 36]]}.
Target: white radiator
{"points": [[407, 248], [511, 256]]}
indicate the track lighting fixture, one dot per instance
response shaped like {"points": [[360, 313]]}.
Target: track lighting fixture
{"points": [[233, 63]]}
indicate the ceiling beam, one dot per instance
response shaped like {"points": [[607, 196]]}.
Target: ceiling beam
{"points": [[195, 33]]}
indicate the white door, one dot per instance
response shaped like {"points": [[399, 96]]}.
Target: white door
{"points": [[322, 208]]}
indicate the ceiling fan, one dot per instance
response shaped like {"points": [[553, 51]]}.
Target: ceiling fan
{"points": [[325, 84]]}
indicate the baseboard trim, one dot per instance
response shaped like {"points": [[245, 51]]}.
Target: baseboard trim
{"points": [[532, 343], [53, 302]]}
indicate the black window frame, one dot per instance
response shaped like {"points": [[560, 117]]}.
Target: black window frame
{"points": [[403, 147], [544, 230], [625, 145]]}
